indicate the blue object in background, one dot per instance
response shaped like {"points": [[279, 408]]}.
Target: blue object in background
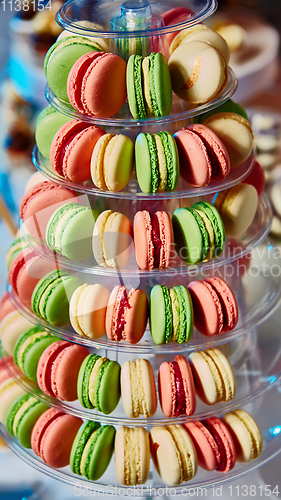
{"points": [[25, 493]]}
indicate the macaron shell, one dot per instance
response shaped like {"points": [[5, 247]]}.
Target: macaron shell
{"points": [[215, 149], [246, 435], [11, 327], [167, 389], [160, 84], [236, 134], [28, 421], [208, 314], [132, 457], [225, 442], [75, 79], [76, 165], [40, 202], [196, 168], [143, 242], [138, 388], [182, 36], [211, 37], [6, 306], [207, 450], [238, 209], [228, 302], [167, 238], [188, 236], [65, 371], [9, 392], [112, 239], [98, 452], [48, 123], [91, 310], [32, 355], [118, 162], [58, 433], [198, 72], [173, 454], [109, 388], [104, 86], [79, 443]]}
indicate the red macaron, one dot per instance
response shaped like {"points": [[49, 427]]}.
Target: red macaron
{"points": [[214, 445], [71, 150], [96, 84], [176, 388], [6, 306], [53, 435], [58, 368], [126, 315], [203, 156], [153, 239], [214, 304], [40, 202], [25, 272]]}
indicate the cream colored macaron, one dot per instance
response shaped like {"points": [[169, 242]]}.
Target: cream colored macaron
{"points": [[236, 134], [237, 207], [203, 34], [198, 72], [12, 326], [213, 376], [132, 455], [87, 310], [246, 435], [138, 388]]}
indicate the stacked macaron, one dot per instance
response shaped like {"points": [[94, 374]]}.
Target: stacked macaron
{"points": [[203, 156], [171, 314], [199, 232], [10, 390], [215, 306]]}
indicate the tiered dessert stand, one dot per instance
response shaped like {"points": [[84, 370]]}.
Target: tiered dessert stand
{"points": [[255, 358]]}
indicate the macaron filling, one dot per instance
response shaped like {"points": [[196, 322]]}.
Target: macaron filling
{"points": [[168, 315], [79, 444], [49, 368], [204, 233], [43, 430], [184, 328], [180, 395], [156, 238], [138, 86], [153, 162], [98, 384], [123, 304], [153, 92], [87, 369]]}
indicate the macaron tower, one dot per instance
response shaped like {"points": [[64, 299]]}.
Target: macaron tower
{"points": [[139, 340]]}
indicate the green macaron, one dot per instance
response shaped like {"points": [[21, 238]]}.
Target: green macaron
{"points": [[149, 86], [171, 314], [52, 294], [98, 384], [228, 106], [189, 241], [28, 349], [157, 162], [60, 58], [92, 450], [217, 224], [22, 416], [48, 123], [70, 231]]}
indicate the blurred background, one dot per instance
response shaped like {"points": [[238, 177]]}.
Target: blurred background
{"points": [[252, 29]]}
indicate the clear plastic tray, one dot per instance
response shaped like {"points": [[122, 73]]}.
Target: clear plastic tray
{"points": [[255, 361], [124, 123], [132, 190], [73, 14], [269, 423], [233, 250], [258, 295]]}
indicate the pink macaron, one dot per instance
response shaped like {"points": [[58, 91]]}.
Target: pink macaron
{"points": [[40, 202], [25, 272], [6, 306], [96, 84], [53, 435], [203, 156], [153, 239], [214, 304], [176, 15], [176, 388], [214, 445], [58, 368], [71, 150]]}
